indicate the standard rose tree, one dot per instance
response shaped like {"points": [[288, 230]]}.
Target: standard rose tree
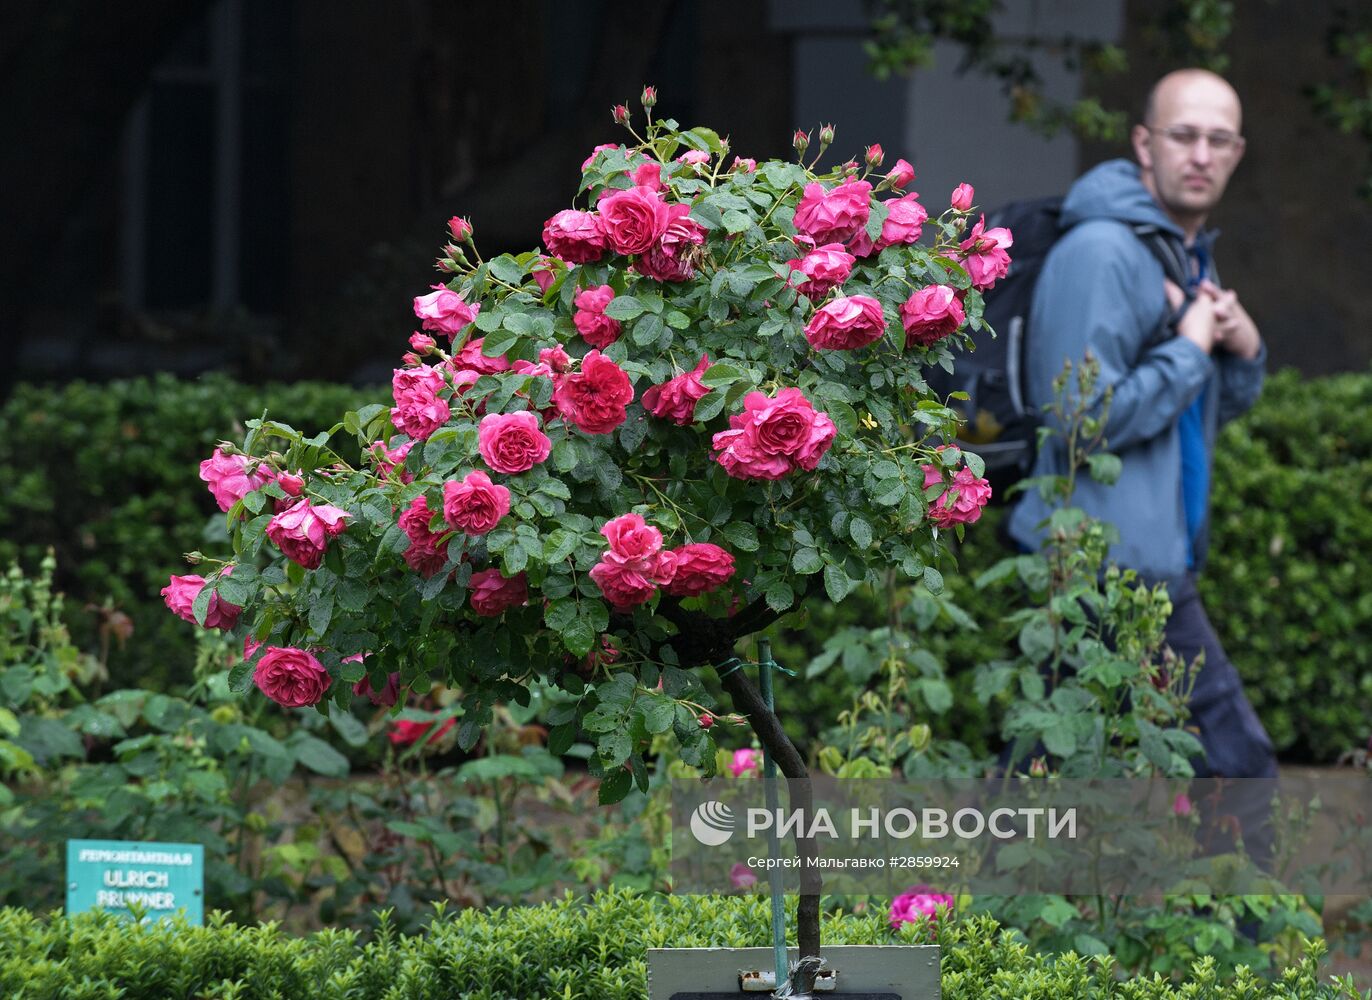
{"points": [[699, 403]]}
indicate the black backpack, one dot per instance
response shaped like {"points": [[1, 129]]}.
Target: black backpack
{"points": [[998, 424]]}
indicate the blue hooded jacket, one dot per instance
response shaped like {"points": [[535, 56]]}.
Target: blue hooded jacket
{"points": [[1102, 289]]}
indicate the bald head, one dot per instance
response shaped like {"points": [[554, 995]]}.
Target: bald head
{"points": [[1189, 86], [1189, 144]]}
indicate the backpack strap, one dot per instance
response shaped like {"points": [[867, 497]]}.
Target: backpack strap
{"points": [[1168, 251]]}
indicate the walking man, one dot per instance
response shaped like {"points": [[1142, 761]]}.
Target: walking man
{"points": [[1180, 362]]}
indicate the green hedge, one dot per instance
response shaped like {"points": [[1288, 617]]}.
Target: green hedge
{"points": [[568, 949], [107, 476]]}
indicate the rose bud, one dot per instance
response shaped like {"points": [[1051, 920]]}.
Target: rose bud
{"points": [[801, 141], [460, 228], [874, 155], [422, 343], [620, 113], [962, 198], [826, 135], [1038, 768], [291, 484], [648, 97], [706, 720]]}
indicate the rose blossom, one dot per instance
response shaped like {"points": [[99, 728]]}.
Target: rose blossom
{"points": [[676, 399], [834, 216], [291, 677], [302, 532], [491, 593], [822, 269], [407, 732], [694, 157], [597, 329], [918, 901], [471, 358], [631, 537], [745, 163], [972, 495], [544, 272], [931, 314], [745, 760], [741, 876], [904, 222], [901, 175], [475, 505], [700, 568], [389, 459], [418, 410], [669, 259], [512, 442], [596, 398], [624, 586], [384, 698], [961, 201], [773, 436], [229, 479], [984, 256], [575, 236], [180, 595], [597, 151], [635, 565], [845, 324], [633, 219], [422, 343], [426, 554], [648, 174], [444, 310]]}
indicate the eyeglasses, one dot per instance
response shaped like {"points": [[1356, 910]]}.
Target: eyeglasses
{"points": [[1187, 136]]}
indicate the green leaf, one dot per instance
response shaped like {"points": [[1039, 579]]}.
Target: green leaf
{"points": [[657, 712], [560, 738], [860, 532], [578, 637], [720, 374], [614, 747], [837, 583], [845, 418], [499, 343], [737, 222], [614, 786], [741, 535], [319, 757], [348, 726], [201, 607], [647, 329], [780, 596], [937, 694], [933, 580], [807, 561], [624, 307]]}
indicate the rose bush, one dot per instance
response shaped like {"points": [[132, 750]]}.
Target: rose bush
{"points": [[699, 402]]}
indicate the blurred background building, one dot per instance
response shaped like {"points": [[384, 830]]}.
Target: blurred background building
{"points": [[260, 186]]}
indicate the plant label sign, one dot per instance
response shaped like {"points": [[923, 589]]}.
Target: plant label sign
{"points": [[160, 879]]}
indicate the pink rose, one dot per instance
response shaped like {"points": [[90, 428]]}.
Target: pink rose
{"points": [[512, 442], [631, 537], [1181, 805], [302, 532], [419, 410], [575, 236], [834, 216], [694, 157], [544, 272], [670, 258], [904, 222], [460, 229], [931, 314], [291, 484], [291, 677], [491, 593], [744, 163], [422, 343], [918, 901], [741, 876], [984, 256], [745, 760], [624, 585], [229, 478], [389, 459], [962, 502], [822, 269], [773, 436], [384, 698], [648, 175], [845, 324], [444, 310], [631, 220], [962, 198], [180, 595], [471, 358], [427, 553], [475, 505], [596, 398], [555, 358], [600, 149], [676, 399], [700, 568], [901, 175], [595, 327]]}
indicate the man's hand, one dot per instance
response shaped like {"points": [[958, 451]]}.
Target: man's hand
{"points": [[1234, 328], [1198, 324]]}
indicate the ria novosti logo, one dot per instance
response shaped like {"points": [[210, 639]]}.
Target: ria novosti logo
{"points": [[712, 823]]}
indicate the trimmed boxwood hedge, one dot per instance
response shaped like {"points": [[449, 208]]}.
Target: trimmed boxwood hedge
{"points": [[592, 950]]}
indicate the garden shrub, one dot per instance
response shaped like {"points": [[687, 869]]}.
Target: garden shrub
{"points": [[105, 475], [571, 948]]}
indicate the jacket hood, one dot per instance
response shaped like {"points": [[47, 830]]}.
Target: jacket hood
{"points": [[1112, 190]]}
